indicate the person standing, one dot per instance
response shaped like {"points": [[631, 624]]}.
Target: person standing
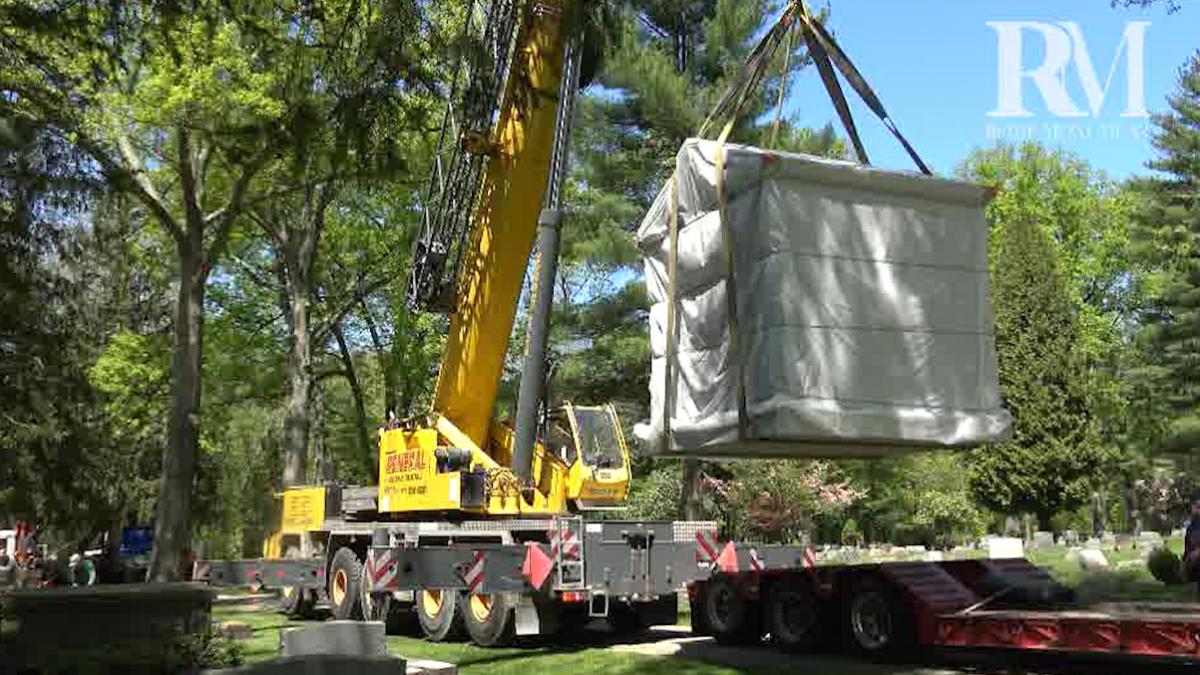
{"points": [[81, 571], [1191, 548], [8, 571]]}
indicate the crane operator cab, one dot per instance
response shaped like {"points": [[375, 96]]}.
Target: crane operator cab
{"points": [[589, 441]]}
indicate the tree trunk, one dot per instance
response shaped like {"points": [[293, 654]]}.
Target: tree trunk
{"points": [[390, 398], [1043, 521], [172, 522], [297, 236], [110, 571], [360, 408], [1099, 517], [299, 380], [1134, 509], [689, 493], [322, 464]]}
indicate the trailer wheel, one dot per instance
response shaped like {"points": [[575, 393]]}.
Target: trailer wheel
{"points": [[731, 618], [440, 614], [792, 615], [877, 622], [345, 579], [489, 619]]}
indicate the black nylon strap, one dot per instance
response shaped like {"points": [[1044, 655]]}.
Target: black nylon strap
{"points": [[864, 90], [834, 88]]}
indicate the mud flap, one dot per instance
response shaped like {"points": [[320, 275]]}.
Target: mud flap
{"points": [[526, 616]]}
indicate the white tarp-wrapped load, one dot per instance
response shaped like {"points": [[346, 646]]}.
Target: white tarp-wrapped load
{"points": [[862, 321]]}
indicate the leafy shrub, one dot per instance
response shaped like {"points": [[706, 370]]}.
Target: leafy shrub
{"points": [[851, 534], [1165, 566], [183, 654]]}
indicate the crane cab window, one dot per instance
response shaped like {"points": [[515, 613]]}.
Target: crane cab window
{"points": [[598, 438], [560, 440]]}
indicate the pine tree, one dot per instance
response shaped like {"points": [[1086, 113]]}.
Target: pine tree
{"points": [[1046, 466], [1169, 240]]}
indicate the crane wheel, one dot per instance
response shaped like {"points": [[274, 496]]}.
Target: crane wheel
{"points": [[345, 579], [730, 617], [489, 619], [296, 602], [876, 622], [440, 614], [381, 607], [624, 620], [793, 615]]}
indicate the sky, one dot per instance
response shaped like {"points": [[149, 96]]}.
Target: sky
{"points": [[936, 65]]}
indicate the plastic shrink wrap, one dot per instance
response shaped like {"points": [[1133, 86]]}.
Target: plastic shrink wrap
{"points": [[862, 325]]}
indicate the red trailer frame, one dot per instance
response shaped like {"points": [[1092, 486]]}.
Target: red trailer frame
{"points": [[952, 605]]}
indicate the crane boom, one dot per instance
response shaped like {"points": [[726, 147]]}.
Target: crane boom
{"points": [[510, 199]]}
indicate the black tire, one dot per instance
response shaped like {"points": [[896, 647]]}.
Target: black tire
{"points": [[440, 615], [382, 607], [296, 602], [345, 582], [793, 615], [877, 623], [624, 619], [696, 606], [565, 620], [488, 619], [731, 618]]}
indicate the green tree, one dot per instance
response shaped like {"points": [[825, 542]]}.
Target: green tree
{"points": [[1169, 241], [132, 379], [47, 424], [174, 106], [1046, 466], [355, 83], [1067, 295], [921, 499], [193, 109]]}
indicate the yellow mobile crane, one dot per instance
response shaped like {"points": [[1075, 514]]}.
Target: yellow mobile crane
{"points": [[457, 474], [495, 187]]}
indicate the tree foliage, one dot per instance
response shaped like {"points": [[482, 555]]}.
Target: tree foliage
{"points": [[1169, 239], [1065, 295]]}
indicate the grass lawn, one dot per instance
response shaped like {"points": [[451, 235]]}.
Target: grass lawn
{"points": [[592, 655], [1131, 585], [525, 659]]}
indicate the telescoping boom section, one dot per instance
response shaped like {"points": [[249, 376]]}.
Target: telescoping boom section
{"points": [[470, 262]]}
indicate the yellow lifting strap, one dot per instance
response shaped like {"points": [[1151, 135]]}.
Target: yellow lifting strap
{"points": [[669, 354]]}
